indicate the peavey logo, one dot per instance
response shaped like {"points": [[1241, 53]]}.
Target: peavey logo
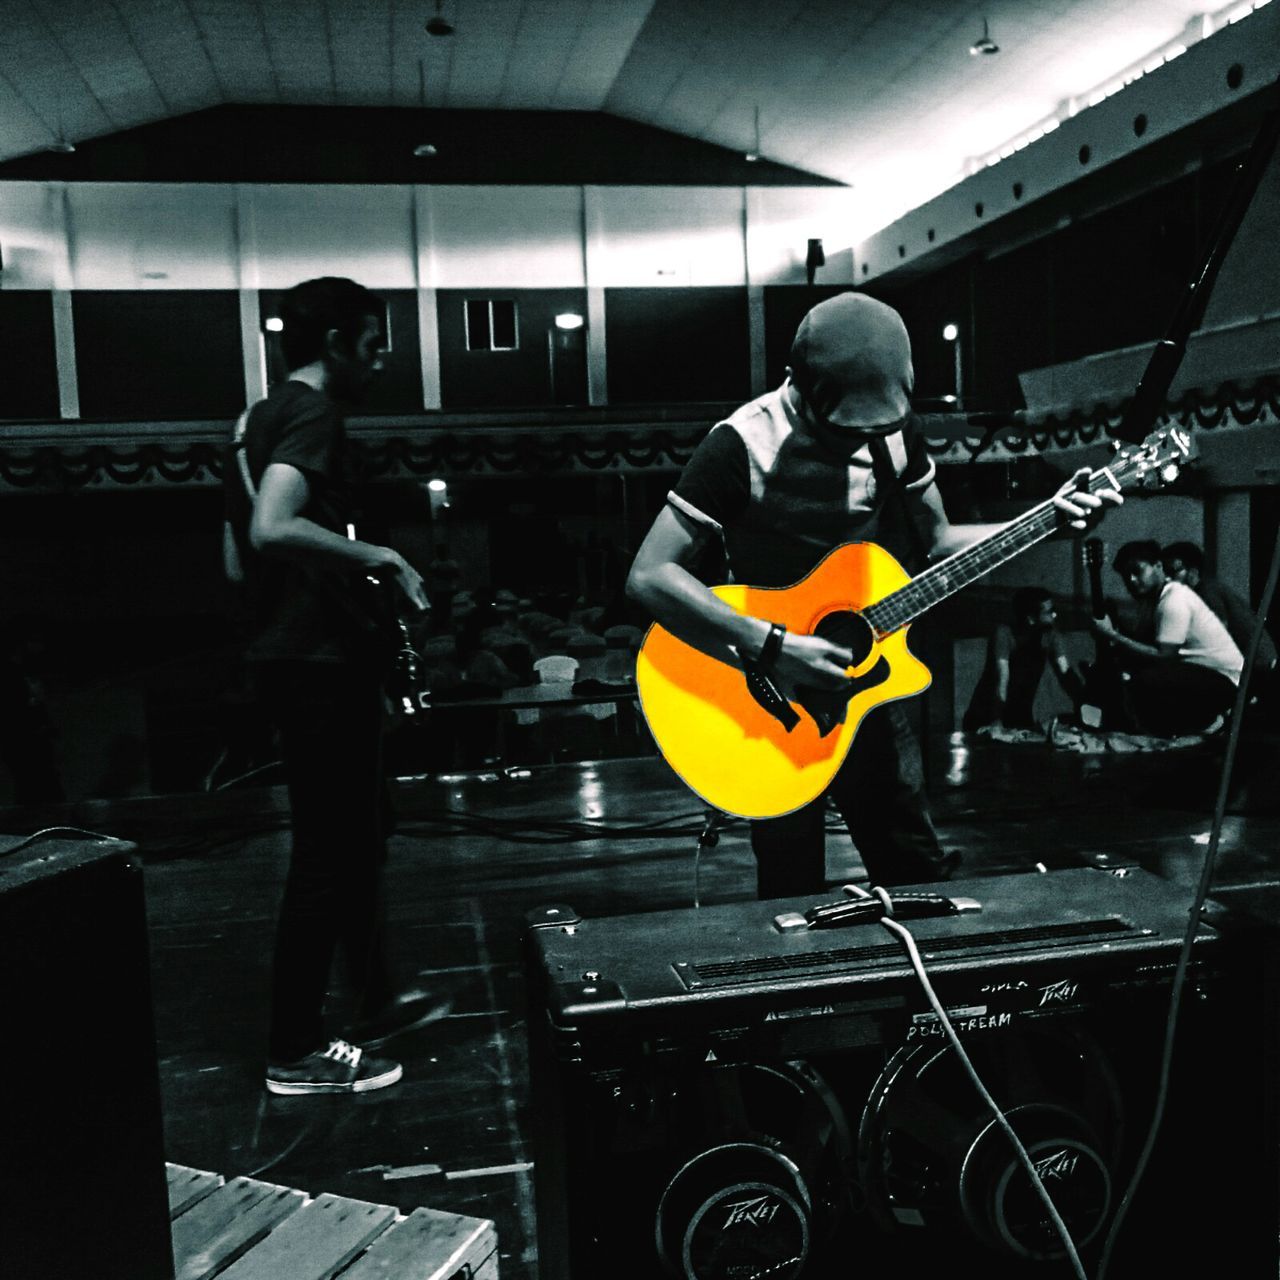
{"points": [[1063, 992], [754, 1213], [1057, 1167]]}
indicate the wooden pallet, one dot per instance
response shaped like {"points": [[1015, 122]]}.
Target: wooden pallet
{"points": [[250, 1230]]}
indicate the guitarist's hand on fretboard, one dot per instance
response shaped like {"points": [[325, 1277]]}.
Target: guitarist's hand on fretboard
{"points": [[1079, 508]]}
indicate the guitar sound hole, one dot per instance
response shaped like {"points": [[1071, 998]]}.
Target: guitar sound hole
{"points": [[850, 631]]}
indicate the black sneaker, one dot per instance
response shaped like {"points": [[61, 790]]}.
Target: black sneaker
{"points": [[404, 1013], [341, 1068]]}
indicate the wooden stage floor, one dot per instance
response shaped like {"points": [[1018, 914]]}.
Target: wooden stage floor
{"points": [[473, 855]]}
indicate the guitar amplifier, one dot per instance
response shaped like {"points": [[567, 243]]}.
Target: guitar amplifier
{"points": [[720, 1095], [83, 1189]]}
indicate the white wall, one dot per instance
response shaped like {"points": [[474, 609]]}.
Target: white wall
{"points": [[780, 223], [220, 236], [504, 237], [31, 236], [299, 232], [668, 237], [130, 236]]}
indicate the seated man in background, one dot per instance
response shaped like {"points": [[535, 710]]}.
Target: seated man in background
{"points": [[1186, 676], [1017, 657], [1184, 562]]}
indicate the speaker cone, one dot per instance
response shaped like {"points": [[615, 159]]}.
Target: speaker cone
{"points": [[930, 1154]]}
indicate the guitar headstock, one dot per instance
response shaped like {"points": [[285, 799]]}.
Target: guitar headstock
{"points": [[1157, 460]]}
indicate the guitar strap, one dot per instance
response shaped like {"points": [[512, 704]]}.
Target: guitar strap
{"points": [[889, 484], [241, 453]]}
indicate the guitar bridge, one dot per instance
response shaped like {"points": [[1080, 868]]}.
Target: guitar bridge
{"points": [[768, 696]]}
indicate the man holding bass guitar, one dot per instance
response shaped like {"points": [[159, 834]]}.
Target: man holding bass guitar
{"points": [[314, 653], [831, 457]]}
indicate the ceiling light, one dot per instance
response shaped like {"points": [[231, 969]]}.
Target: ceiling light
{"points": [[62, 147], [984, 44], [754, 154], [437, 486], [437, 24]]}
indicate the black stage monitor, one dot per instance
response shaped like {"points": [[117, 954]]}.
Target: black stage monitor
{"points": [[729, 1094]]}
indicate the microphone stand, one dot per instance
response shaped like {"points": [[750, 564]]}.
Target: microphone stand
{"points": [[1153, 387]]}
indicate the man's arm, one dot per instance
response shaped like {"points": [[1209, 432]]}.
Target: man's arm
{"points": [[1170, 634], [231, 565], [660, 581], [1000, 646], [1069, 678], [278, 528]]}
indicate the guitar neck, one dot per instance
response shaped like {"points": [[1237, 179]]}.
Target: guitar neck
{"points": [[957, 571]]}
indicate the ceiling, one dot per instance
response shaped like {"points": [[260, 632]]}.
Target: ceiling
{"points": [[880, 94]]}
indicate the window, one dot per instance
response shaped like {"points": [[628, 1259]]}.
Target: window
{"points": [[490, 324]]}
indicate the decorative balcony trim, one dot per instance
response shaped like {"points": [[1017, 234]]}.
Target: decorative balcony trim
{"points": [[64, 457]]}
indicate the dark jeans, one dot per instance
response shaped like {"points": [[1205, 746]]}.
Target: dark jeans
{"points": [[330, 719], [879, 791], [1170, 697]]}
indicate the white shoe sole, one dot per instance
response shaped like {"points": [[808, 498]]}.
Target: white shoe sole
{"points": [[296, 1087]]}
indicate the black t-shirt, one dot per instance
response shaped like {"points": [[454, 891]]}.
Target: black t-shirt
{"points": [[1028, 653], [297, 613], [780, 496]]}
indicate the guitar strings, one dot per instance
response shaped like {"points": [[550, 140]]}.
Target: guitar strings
{"points": [[950, 575]]}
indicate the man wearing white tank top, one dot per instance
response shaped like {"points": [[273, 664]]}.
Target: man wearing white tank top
{"points": [[1185, 674]]}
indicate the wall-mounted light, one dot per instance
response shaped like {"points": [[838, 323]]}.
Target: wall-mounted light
{"points": [[425, 150], [569, 320], [274, 324], [437, 486], [950, 333]]}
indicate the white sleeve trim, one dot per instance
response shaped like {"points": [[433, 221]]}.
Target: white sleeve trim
{"points": [[925, 480], [698, 517]]}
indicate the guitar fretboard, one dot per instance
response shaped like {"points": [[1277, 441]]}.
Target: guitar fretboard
{"points": [[957, 571]]}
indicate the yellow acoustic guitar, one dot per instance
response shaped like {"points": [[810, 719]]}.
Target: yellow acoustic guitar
{"points": [[747, 759]]}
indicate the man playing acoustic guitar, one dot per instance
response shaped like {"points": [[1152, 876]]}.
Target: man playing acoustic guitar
{"points": [[831, 457]]}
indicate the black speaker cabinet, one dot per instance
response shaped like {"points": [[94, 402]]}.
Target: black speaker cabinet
{"points": [[718, 1095], [82, 1173]]}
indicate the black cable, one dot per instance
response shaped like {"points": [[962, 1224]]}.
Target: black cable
{"points": [[1197, 905], [541, 831]]}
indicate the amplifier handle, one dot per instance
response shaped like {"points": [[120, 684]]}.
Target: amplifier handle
{"points": [[866, 909]]}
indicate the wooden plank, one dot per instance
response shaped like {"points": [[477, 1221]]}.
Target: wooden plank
{"points": [[227, 1224], [488, 1268], [318, 1240], [430, 1245], [189, 1186]]}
